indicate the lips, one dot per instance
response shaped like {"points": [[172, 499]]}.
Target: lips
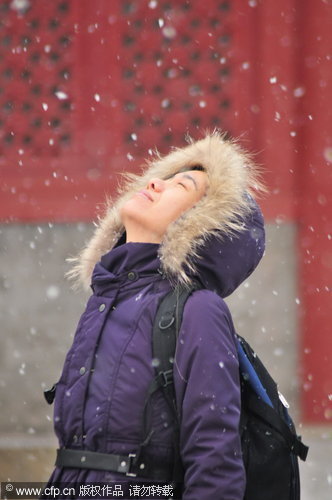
{"points": [[146, 194]]}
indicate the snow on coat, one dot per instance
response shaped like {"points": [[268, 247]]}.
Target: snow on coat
{"points": [[101, 393]]}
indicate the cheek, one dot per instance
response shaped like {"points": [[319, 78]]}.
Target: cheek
{"points": [[174, 208], [184, 203]]}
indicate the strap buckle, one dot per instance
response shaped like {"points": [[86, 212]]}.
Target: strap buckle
{"points": [[166, 321], [49, 394], [299, 448], [131, 461], [165, 378]]}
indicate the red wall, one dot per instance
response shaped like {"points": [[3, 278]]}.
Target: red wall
{"points": [[314, 208], [88, 89]]}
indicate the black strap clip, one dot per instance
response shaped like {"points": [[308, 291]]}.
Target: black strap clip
{"points": [[299, 448], [49, 395], [165, 378], [132, 463], [166, 321]]}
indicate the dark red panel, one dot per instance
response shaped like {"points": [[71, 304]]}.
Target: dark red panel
{"points": [[37, 64], [314, 181], [104, 86], [275, 103], [36, 59], [168, 73]]}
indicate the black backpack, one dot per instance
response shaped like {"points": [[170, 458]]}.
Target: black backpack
{"points": [[270, 445]]}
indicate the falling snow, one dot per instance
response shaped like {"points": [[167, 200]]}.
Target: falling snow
{"points": [[52, 292], [20, 5], [22, 369], [155, 362], [61, 95], [169, 32], [299, 92], [328, 154]]}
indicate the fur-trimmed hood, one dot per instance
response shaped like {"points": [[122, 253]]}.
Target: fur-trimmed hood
{"points": [[219, 241]]}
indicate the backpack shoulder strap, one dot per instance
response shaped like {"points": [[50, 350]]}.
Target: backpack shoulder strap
{"points": [[166, 327], [165, 332]]}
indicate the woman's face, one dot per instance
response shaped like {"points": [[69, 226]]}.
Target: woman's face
{"points": [[149, 212]]}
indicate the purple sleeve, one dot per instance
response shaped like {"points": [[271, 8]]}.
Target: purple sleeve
{"points": [[208, 396]]}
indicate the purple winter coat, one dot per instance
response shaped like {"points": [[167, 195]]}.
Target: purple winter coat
{"points": [[100, 395]]}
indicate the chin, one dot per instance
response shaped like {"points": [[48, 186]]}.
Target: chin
{"points": [[132, 215], [129, 209]]}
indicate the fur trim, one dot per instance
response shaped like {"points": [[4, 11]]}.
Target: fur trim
{"points": [[232, 176]]}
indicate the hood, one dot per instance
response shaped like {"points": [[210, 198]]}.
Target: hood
{"points": [[223, 264], [219, 241]]}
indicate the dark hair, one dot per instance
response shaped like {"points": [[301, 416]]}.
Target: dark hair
{"points": [[200, 168]]}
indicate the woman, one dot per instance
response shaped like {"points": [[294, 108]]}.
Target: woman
{"points": [[190, 216]]}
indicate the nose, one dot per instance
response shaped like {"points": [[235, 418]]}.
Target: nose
{"points": [[156, 184]]}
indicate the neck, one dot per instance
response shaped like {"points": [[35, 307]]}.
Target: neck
{"points": [[141, 236]]}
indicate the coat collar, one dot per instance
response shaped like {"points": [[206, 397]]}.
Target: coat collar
{"points": [[125, 264]]}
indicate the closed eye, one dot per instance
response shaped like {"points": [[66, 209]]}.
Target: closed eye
{"points": [[183, 185]]}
